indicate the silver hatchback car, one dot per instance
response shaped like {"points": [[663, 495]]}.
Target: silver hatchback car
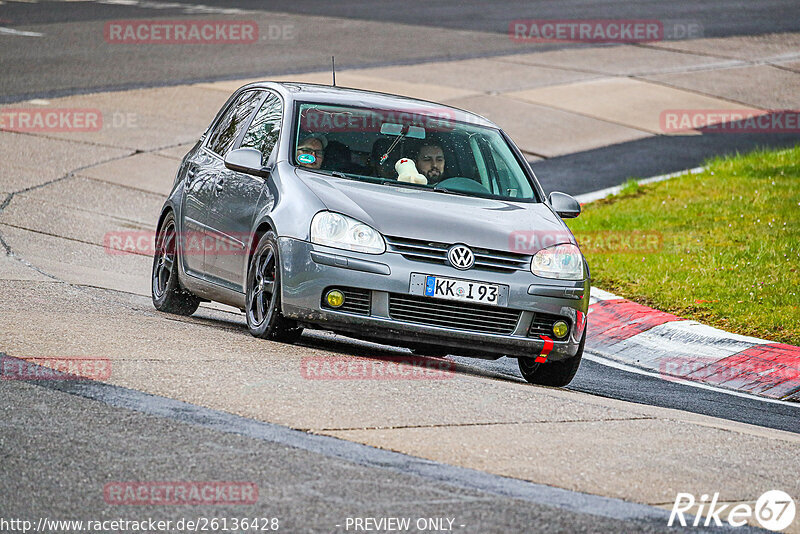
{"points": [[379, 217]]}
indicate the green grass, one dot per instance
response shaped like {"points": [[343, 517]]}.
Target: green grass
{"points": [[629, 188], [721, 247]]}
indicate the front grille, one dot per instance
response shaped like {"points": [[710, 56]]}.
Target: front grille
{"points": [[450, 314], [434, 252], [542, 324], [356, 300]]}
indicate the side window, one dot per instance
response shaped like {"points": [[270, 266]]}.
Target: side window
{"points": [[230, 125], [266, 126]]}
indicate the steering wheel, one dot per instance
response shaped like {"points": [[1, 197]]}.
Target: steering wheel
{"points": [[459, 183]]}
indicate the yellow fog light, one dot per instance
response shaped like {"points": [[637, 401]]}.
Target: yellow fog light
{"points": [[335, 298], [560, 329]]}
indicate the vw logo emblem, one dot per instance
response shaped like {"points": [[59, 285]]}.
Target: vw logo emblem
{"points": [[461, 257]]}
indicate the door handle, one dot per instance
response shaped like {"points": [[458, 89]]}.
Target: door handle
{"points": [[219, 184]]}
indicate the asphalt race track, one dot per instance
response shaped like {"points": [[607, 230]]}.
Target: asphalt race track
{"points": [[78, 60], [321, 457]]}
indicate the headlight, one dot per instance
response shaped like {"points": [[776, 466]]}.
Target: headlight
{"points": [[339, 231], [563, 262]]}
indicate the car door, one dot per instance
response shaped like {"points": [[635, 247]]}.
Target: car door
{"points": [[202, 170], [238, 194], [198, 186], [204, 228]]}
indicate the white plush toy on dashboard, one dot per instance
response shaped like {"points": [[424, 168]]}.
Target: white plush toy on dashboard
{"points": [[407, 172]]}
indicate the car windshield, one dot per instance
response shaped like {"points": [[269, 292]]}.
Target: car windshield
{"points": [[426, 148]]}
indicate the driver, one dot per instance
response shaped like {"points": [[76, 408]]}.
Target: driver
{"points": [[430, 162], [314, 146]]}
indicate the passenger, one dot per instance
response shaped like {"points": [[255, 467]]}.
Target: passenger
{"points": [[313, 145], [430, 161], [338, 157]]}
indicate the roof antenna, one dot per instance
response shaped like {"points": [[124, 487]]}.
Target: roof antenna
{"points": [[333, 70]]}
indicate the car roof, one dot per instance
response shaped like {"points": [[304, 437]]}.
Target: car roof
{"points": [[327, 94]]}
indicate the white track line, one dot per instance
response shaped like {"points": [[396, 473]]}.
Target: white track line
{"points": [[594, 357], [603, 193], [12, 31]]}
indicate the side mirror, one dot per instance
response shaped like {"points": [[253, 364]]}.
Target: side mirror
{"points": [[563, 204], [246, 160]]}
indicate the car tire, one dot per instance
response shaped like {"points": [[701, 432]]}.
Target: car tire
{"points": [[168, 295], [556, 373], [263, 295]]}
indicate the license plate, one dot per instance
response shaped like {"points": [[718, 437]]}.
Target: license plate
{"points": [[464, 290]]}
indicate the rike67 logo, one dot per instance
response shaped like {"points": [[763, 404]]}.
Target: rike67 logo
{"points": [[774, 510]]}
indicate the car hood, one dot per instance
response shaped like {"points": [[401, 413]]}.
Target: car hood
{"points": [[419, 214]]}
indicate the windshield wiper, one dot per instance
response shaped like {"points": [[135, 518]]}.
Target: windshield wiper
{"points": [[398, 183], [439, 189], [350, 176], [435, 189]]}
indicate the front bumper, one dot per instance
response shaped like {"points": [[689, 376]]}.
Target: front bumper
{"points": [[307, 270]]}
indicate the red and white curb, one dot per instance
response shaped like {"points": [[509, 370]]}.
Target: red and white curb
{"points": [[678, 349], [636, 338]]}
